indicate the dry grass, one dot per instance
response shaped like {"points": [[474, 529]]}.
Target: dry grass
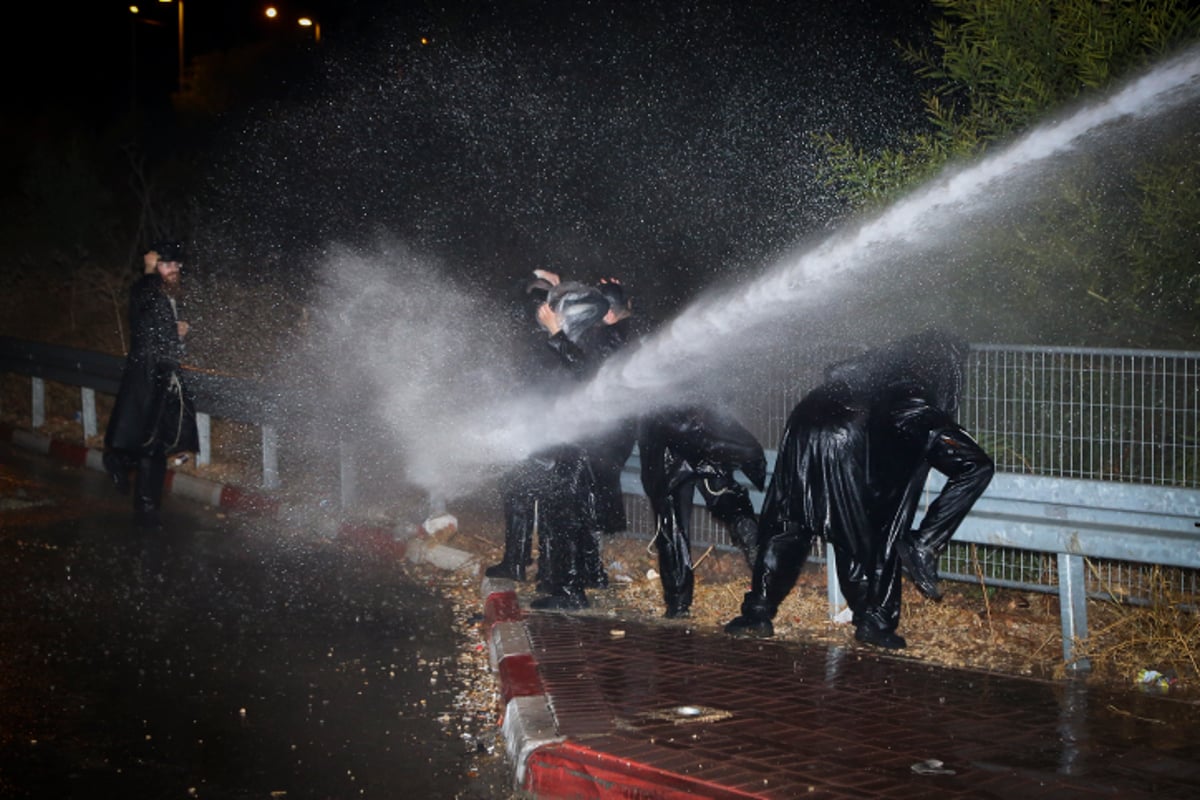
{"points": [[974, 627], [997, 630], [1163, 634]]}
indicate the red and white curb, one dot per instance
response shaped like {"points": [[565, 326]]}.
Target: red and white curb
{"points": [[211, 493], [529, 722], [412, 543]]}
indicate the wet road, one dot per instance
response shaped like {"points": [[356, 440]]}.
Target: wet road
{"points": [[219, 659]]}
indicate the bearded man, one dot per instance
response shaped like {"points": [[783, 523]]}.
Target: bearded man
{"points": [[153, 416]]}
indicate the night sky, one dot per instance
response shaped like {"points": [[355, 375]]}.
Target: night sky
{"points": [[665, 141]]}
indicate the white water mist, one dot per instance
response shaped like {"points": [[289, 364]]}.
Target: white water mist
{"points": [[457, 418]]}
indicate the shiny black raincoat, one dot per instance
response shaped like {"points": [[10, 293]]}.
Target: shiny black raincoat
{"points": [[684, 449], [154, 411], [607, 452], [816, 489], [553, 491], [854, 460]]}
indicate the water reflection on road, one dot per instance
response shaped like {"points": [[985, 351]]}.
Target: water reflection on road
{"points": [[218, 659]]}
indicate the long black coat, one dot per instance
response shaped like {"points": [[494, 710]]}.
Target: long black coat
{"points": [[154, 409], [687, 448], [852, 466]]}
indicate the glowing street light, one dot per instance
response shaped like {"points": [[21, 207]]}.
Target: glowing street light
{"points": [[304, 22]]}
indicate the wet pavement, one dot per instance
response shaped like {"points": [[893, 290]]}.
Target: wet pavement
{"points": [[652, 709], [228, 659], [221, 658]]}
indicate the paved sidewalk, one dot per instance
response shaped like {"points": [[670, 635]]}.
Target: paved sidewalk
{"points": [[602, 707]]}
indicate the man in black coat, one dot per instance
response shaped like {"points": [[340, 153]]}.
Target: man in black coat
{"points": [[580, 326], [854, 460], [683, 449], [606, 452], [153, 415]]}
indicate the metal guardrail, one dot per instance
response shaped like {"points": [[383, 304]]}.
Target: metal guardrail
{"points": [[1073, 415], [1070, 520], [218, 396]]}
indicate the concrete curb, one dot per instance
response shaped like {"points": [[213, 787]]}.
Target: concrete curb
{"points": [[547, 765], [528, 723]]}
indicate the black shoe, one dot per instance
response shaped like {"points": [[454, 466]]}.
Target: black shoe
{"points": [[148, 521], [675, 612], [873, 635], [920, 566], [504, 570], [745, 627], [561, 601], [597, 581], [119, 477]]}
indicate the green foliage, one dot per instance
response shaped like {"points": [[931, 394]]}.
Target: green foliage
{"points": [[1165, 245], [997, 67], [994, 69]]}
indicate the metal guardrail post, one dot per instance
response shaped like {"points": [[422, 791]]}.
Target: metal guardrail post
{"points": [[346, 465], [270, 457], [37, 412], [834, 592], [88, 413], [1072, 600], [204, 433]]}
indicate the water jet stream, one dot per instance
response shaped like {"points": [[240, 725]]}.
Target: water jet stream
{"points": [[682, 352]]}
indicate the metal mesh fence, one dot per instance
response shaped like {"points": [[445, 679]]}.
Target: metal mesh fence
{"points": [[1119, 415], [1116, 415]]}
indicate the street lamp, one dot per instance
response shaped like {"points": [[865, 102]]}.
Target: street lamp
{"points": [[304, 22]]}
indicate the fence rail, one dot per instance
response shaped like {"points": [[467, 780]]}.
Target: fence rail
{"points": [[1107, 423]]}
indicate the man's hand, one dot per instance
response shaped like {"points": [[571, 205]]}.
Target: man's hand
{"points": [[548, 319], [548, 276], [182, 328]]}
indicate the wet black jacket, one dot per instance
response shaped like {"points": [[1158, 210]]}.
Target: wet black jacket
{"points": [[153, 409], [853, 464], [682, 443]]}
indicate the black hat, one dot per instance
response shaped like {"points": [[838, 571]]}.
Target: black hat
{"points": [[168, 250], [538, 289], [614, 293]]}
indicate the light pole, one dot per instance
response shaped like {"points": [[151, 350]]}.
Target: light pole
{"points": [[180, 2]]}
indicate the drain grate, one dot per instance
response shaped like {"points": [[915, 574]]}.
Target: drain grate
{"points": [[680, 715]]}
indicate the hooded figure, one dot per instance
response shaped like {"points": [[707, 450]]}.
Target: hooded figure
{"points": [[153, 415], [607, 452], [684, 449], [530, 479], [552, 492], [854, 459]]}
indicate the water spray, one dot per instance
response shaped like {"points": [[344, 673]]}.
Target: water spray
{"points": [[715, 331]]}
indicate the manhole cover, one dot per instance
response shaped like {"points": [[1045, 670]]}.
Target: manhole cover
{"points": [[684, 714]]}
